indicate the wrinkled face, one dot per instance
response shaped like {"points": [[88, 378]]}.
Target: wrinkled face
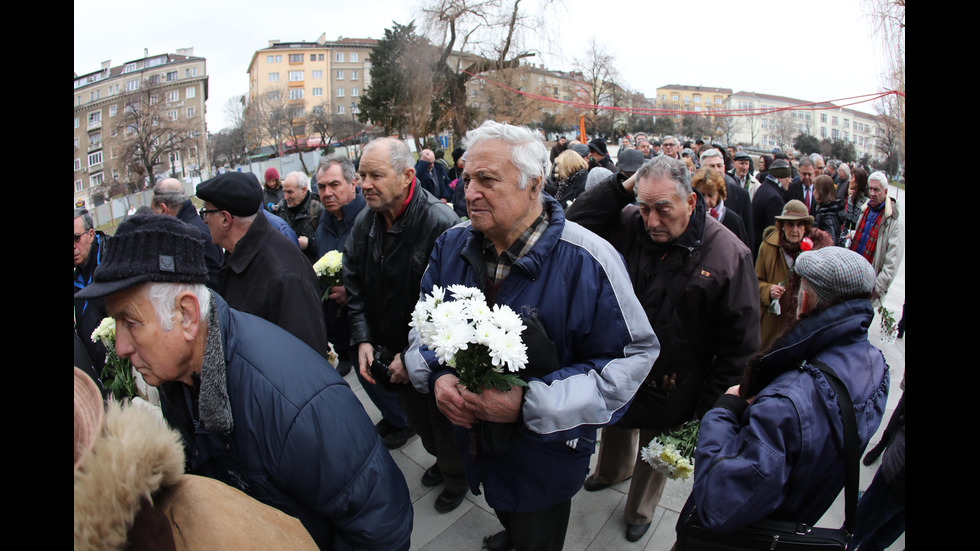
{"points": [[716, 163], [160, 356], [645, 148], [819, 167], [742, 167], [710, 198], [785, 182], [292, 193], [493, 201], [213, 221], [83, 241], [841, 174], [665, 213], [806, 175], [793, 230], [670, 148], [877, 193], [335, 192], [383, 188]]}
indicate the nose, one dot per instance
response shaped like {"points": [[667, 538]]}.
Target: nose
{"points": [[124, 342]]}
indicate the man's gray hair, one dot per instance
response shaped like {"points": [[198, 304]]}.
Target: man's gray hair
{"points": [[662, 167], [163, 297], [814, 157], [807, 162], [711, 152], [86, 216], [676, 141], [346, 166], [526, 150], [845, 168], [399, 155], [166, 194], [302, 180], [880, 177]]}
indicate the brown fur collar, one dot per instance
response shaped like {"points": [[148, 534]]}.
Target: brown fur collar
{"points": [[134, 456]]}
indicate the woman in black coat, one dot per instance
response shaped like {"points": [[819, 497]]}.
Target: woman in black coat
{"points": [[829, 215]]}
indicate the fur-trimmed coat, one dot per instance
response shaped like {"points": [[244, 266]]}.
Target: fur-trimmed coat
{"points": [[137, 462]]}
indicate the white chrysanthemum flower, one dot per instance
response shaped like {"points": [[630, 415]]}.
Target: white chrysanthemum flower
{"points": [[506, 319], [448, 313], [508, 350], [449, 340], [477, 311], [106, 330], [462, 292]]}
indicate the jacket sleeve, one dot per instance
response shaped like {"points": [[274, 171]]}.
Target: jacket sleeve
{"points": [[349, 480], [763, 266], [353, 263], [742, 471], [739, 335], [598, 208], [895, 241], [610, 358], [422, 365]]}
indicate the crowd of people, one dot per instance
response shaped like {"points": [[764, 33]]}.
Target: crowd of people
{"points": [[635, 283]]}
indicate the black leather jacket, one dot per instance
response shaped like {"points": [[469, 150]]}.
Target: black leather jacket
{"points": [[383, 268]]}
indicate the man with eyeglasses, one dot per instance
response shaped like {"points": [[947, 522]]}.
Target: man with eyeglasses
{"points": [[263, 274], [89, 245], [670, 148]]}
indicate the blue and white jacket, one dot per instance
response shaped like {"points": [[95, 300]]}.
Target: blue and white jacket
{"points": [[577, 285]]}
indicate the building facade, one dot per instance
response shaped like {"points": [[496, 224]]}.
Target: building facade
{"points": [[691, 99], [168, 91]]}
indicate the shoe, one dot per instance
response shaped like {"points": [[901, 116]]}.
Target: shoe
{"points": [[432, 477], [498, 542], [593, 485], [636, 531], [343, 367], [397, 437], [447, 501], [383, 427]]}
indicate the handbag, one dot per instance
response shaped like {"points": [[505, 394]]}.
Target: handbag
{"points": [[784, 535]]}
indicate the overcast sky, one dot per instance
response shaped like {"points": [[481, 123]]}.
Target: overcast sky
{"points": [[816, 51]]}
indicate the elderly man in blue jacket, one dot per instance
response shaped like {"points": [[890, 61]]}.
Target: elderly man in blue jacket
{"points": [[255, 407], [593, 343]]}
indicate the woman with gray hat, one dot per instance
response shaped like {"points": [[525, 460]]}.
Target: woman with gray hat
{"points": [[781, 244]]}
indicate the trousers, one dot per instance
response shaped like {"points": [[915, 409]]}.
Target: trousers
{"points": [[619, 459]]}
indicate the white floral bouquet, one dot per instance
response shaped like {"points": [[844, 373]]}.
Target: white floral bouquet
{"points": [[117, 375], [673, 454], [481, 343], [329, 269]]}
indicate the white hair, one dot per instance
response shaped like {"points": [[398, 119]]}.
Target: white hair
{"points": [[710, 153], [526, 150], [163, 298], [302, 180], [880, 177]]}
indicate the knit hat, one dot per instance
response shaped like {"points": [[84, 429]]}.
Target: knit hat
{"points": [[271, 174], [150, 247], [630, 160], [795, 210], [835, 273], [235, 192], [599, 146]]}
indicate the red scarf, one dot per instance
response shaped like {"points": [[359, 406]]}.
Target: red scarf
{"points": [[872, 242]]}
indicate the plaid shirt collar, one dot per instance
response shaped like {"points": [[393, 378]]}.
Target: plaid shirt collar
{"points": [[498, 267]]}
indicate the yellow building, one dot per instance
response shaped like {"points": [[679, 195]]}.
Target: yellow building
{"points": [[696, 99]]}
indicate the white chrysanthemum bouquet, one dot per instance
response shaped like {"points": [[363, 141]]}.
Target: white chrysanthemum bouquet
{"points": [[673, 454], [328, 269], [481, 343], [117, 374]]}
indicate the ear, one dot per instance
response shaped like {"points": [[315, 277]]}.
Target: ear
{"points": [[188, 315], [692, 201], [409, 176], [534, 185]]}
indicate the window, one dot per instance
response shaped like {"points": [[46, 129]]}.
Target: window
{"points": [[130, 67], [278, 59], [189, 92], [190, 112], [274, 95], [78, 185], [340, 75], [192, 152], [317, 74], [295, 93], [273, 77], [353, 75], [76, 144], [112, 153], [95, 118], [697, 99], [78, 164], [269, 59], [112, 110], [76, 122], [340, 57], [318, 109], [833, 122], [174, 157], [823, 118], [340, 109], [172, 115], [96, 180], [173, 96], [353, 57], [340, 92], [675, 97], [171, 76], [298, 113], [95, 159], [834, 134], [295, 76], [296, 58], [132, 85], [318, 91], [319, 57], [354, 92], [847, 123], [115, 174], [191, 72], [354, 109], [94, 95], [718, 101], [153, 100]]}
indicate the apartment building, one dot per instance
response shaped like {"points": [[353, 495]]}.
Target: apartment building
{"points": [[693, 99], [177, 85]]}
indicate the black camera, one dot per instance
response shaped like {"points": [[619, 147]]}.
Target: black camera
{"points": [[379, 368]]}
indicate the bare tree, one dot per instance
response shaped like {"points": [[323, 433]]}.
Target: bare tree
{"points": [[246, 129], [152, 132], [272, 115], [599, 76]]}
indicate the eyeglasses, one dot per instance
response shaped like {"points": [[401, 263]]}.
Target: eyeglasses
{"points": [[78, 236], [205, 211]]}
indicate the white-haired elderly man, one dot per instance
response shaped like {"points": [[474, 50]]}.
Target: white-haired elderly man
{"points": [[301, 210], [589, 343], [880, 237], [254, 406]]}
